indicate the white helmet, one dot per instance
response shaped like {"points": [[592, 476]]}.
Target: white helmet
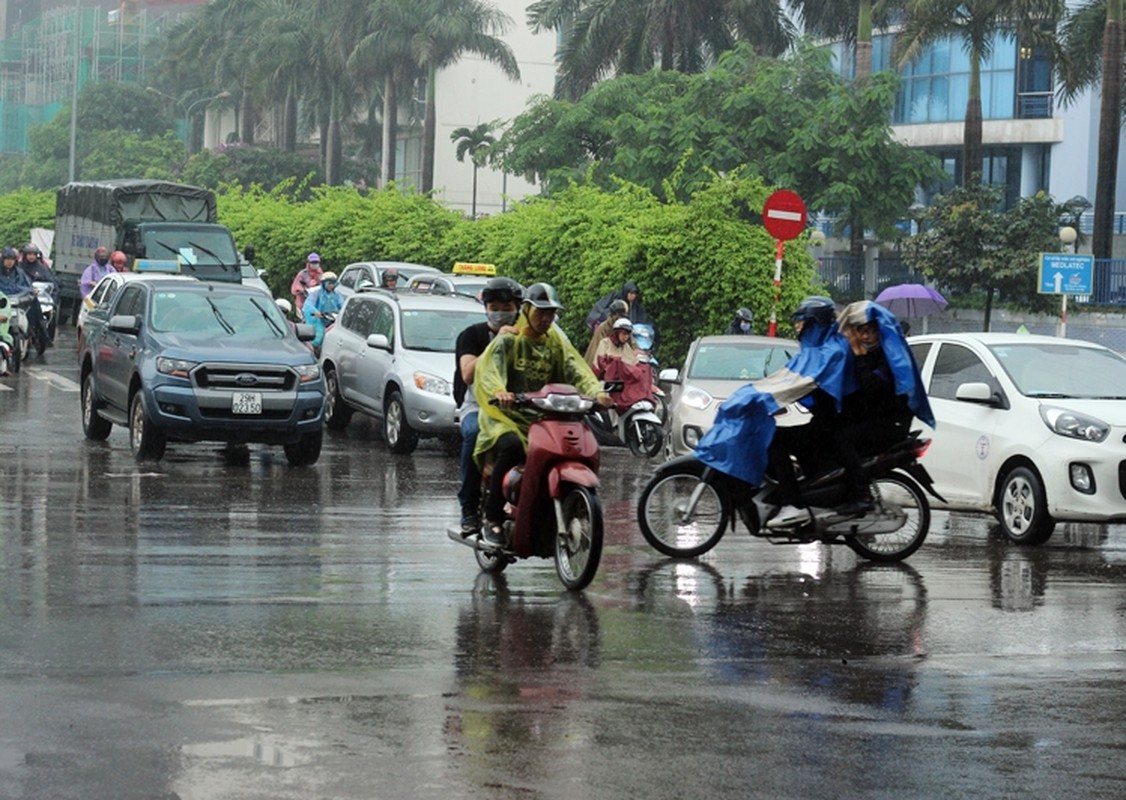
{"points": [[284, 305], [623, 325]]}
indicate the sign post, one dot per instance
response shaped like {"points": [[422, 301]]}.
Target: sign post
{"points": [[1064, 274], [784, 217]]}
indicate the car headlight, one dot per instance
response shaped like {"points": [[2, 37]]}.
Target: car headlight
{"points": [[1074, 425], [696, 398], [308, 372], [431, 383], [174, 366]]}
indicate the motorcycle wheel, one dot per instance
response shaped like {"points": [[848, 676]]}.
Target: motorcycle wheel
{"points": [[645, 439], [579, 548], [661, 512], [16, 359], [898, 491], [491, 562]]}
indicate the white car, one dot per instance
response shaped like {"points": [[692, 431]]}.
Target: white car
{"points": [[1029, 428], [107, 287]]}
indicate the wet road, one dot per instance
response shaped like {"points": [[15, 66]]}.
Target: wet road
{"points": [[232, 628]]}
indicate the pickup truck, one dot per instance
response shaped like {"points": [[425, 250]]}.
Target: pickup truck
{"points": [[190, 361]]}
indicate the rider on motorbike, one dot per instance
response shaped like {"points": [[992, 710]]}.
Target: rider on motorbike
{"points": [[320, 304], [526, 361], [15, 283]]}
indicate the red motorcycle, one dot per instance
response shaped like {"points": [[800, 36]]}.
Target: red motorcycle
{"points": [[553, 509]]}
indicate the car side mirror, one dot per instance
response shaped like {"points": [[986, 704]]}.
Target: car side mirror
{"points": [[125, 323], [669, 375], [379, 342], [979, 392], [305, 332]]}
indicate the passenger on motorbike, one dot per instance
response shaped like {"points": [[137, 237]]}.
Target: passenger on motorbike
{"points": [[501, 297], [741, 325], [320, 305], [15, 283], [878, 414], [537, 355], [619, 309], [390, 278], [617, 346]]}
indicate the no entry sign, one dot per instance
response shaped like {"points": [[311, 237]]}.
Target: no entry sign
{"points": [[783, 215]]}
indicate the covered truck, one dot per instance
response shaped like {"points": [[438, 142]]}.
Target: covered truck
{"points": [[147, 219]]}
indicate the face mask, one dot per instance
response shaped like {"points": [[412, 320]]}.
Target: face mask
{"points": [[102, 260], [744, 326], [498, 319]]}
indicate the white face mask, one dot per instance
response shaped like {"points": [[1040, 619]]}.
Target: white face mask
{"points": [[744, 326], [498, 319]]}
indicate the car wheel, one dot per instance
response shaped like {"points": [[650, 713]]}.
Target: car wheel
{"points": [[145, 439], [1022, 507], [401, 438], [305, 452], [93, 426], [337, 412]]}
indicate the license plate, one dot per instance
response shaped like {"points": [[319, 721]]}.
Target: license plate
{"points": [[246, 403]]}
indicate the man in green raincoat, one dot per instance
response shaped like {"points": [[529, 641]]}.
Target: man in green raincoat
{"points": [[522, 362]]}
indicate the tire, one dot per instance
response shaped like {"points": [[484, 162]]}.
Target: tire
{"points": [[337, 411], [145, 440], [17, 354], [901, 492], [1022, 508], [305, 452], [93, 426], [400, 437], [491, 562], [579, 549], [645, 439], [660, 512]]}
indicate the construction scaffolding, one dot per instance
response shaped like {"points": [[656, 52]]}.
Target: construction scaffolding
{"points": [[39, 65]]}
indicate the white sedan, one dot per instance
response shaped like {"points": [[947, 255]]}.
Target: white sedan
{"points": [[1029, 428]]}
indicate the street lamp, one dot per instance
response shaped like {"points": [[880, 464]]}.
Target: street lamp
{"points": [[1068, 235]]}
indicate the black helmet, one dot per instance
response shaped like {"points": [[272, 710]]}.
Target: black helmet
{"points": [[745, 314], [392, 273], [9, 252], [31, 247], [543, 295], [620, 307], [502, 290], [815, 309]]}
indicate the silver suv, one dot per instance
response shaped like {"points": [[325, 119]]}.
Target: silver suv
{"points": [[391, 355]]}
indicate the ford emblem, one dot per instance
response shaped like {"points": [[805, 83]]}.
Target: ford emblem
{"points": [[246, 379]]}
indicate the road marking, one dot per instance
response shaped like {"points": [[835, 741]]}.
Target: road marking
{"points": [[54, 379], [5, 387]]}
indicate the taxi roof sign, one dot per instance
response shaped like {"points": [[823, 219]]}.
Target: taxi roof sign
{"points": [[168, 265], [469, 268]]}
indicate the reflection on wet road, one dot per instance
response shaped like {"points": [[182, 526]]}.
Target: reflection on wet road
{"points": [[221, 625]]}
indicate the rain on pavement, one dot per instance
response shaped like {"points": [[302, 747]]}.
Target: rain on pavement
{"points": [[220, 625]]}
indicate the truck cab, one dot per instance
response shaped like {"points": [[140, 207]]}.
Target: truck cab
{"points": [[204, 250]]}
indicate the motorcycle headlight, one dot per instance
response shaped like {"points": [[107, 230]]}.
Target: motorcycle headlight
{"points": [[564, 403], [1074, 425], [308, 372], [431, 383], [177, 367], [696, 398]]}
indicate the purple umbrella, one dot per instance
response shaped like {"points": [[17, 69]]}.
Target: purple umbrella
{"points": [[911, 300]]}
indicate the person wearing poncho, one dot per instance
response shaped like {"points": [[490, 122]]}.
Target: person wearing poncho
{"points": [[523, 362]]}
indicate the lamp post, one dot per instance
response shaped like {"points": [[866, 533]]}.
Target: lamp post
{"points": [[1068, 235]]}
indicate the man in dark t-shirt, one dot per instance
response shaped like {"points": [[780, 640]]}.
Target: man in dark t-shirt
{"points": [[501, 297]]}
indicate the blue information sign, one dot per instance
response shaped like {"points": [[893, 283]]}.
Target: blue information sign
{"points": [[1066, 273]]}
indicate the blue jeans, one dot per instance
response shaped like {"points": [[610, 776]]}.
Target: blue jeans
{"points": [[469, 495]]}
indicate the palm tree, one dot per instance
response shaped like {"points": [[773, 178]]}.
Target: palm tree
{"points": [[975, 23], [450, 29], [849, 21], [632, 36], [477, 142], [1096, 27]]}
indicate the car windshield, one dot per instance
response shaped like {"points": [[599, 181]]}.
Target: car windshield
{"points": [[193, 246], [216, 315], [437, 330], [736, 361], [1063, 370]]}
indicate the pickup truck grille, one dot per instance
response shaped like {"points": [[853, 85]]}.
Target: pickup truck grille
{"points": [[244, 377]]}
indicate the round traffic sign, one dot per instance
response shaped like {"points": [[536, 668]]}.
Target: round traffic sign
{"points": [[783, 215]]}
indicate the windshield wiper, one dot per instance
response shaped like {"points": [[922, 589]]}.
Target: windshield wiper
{"points": [[219, 316], [1048, 395], [205, 250], [266, 316]]}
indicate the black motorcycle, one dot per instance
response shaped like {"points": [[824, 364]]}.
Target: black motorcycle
{"points": [[687, 507]]}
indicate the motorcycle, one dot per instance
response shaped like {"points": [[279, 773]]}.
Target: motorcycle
{"points": [[634, 416], [687, 506], [45, 291], [18, 330], [643, 335], [553, 510], [6, 348]]}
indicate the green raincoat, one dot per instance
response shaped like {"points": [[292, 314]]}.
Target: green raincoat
{"points": [[6, 313], [519, 363]]}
